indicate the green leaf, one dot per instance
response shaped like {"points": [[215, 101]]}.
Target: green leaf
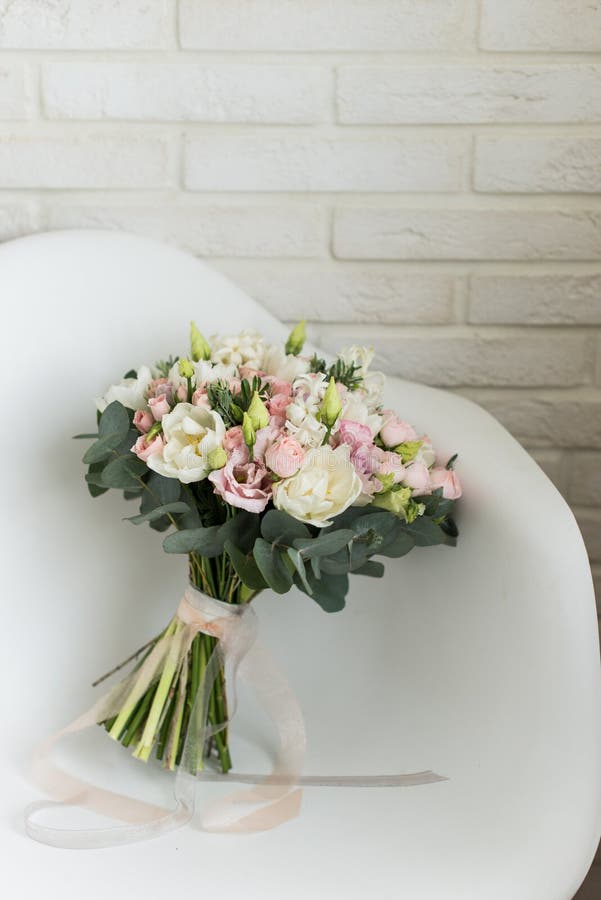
{"points": [[299, 565], [278, 525], [114, 421], [93, 479], [242, 530], [372, 568], [158, 511], [329, 592], [123, 472], [245, 567], [272, 566], [204, 541], [402, 545], [102, 449], [84, 437], [325, 544], [424, 532]]}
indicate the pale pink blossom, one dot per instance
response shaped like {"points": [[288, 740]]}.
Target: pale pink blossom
{"points": [[233, 439], [242, 483], [392, 464], [284, 456], [265, 437], [395, 431], [159, 386], [144, 450], [366, 460], [143, 420], [448, 481], [354, 434], [182, 393], [277, 404], [201, 398], [418, 478], [159, 407]]}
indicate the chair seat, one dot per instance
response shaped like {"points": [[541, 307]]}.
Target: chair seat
{"points": [[481, 663]]}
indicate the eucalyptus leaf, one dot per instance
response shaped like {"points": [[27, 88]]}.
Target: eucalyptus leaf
{"points": [[278, 525], [425, 532], [301, 572], [204, 541], [329, 592], [402, 545], [372, 568], [242, 530], [245, 567], [114, 421], [124, 472], [325, 544], [158, 511], [272, 566]]}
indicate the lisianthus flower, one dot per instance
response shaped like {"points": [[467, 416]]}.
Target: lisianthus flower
{"points": [[353, 433], [146, 449], [324, 486], [159, 406], [190, 433], [355, 408], [130, 392], [143, 420], [285, 456], [395, 431], [448, 480], [243, 483]]}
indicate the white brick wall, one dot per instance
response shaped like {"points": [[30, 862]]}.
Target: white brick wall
{"points": [[423, 174]]}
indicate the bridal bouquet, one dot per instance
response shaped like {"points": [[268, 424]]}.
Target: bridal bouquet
{"points": [[270, 468]]}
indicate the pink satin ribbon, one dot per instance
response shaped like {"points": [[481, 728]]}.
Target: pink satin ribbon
{"points": [[274, 799]]}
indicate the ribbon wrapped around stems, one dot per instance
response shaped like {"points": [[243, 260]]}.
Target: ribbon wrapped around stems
{"points": [[273, 799]]}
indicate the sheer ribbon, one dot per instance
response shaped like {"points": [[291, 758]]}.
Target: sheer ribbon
{"points": [[273, 799]]}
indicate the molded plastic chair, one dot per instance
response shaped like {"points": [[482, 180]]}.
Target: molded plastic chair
{"points": [[481, 663]]}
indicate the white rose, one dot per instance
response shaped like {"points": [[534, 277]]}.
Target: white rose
{"points": [[190, 433], [131, 392], [324, 486], [284, 366], [244, 349]]}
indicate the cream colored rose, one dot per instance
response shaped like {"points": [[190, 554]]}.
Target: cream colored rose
{"points": [[190, 433], [324, 486]]}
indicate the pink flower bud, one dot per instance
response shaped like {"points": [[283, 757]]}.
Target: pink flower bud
{"points": [[143, 420]]}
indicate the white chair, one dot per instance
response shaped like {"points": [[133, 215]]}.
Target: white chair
{"points": [[481, 663]]}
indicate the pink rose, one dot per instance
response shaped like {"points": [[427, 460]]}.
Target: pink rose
{"points": [[448, 481], [395, 431], [233, 439], [392, 464], [244, 484], [418, 478], [200, 398], [284, 457], [354, 434], [249, 373], [182, 392], [277, 386], [143, 450], [159, 407], [277, 405], [265, 437], [143, 420]]}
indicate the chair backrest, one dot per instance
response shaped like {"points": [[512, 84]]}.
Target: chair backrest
{"points": [[480, 662]]}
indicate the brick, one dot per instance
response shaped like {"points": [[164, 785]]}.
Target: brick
{"points": [[209, 230], [585, 479], [347, 294], [83, 162], [569, 420], [15, 100], [391, 95], [305, 162], [387, 233], [84, 24], [518, 164], [525, 299], [551, 462], [325, 25], [567, 25], [478, 359], [186, 92], [589, 522]]}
